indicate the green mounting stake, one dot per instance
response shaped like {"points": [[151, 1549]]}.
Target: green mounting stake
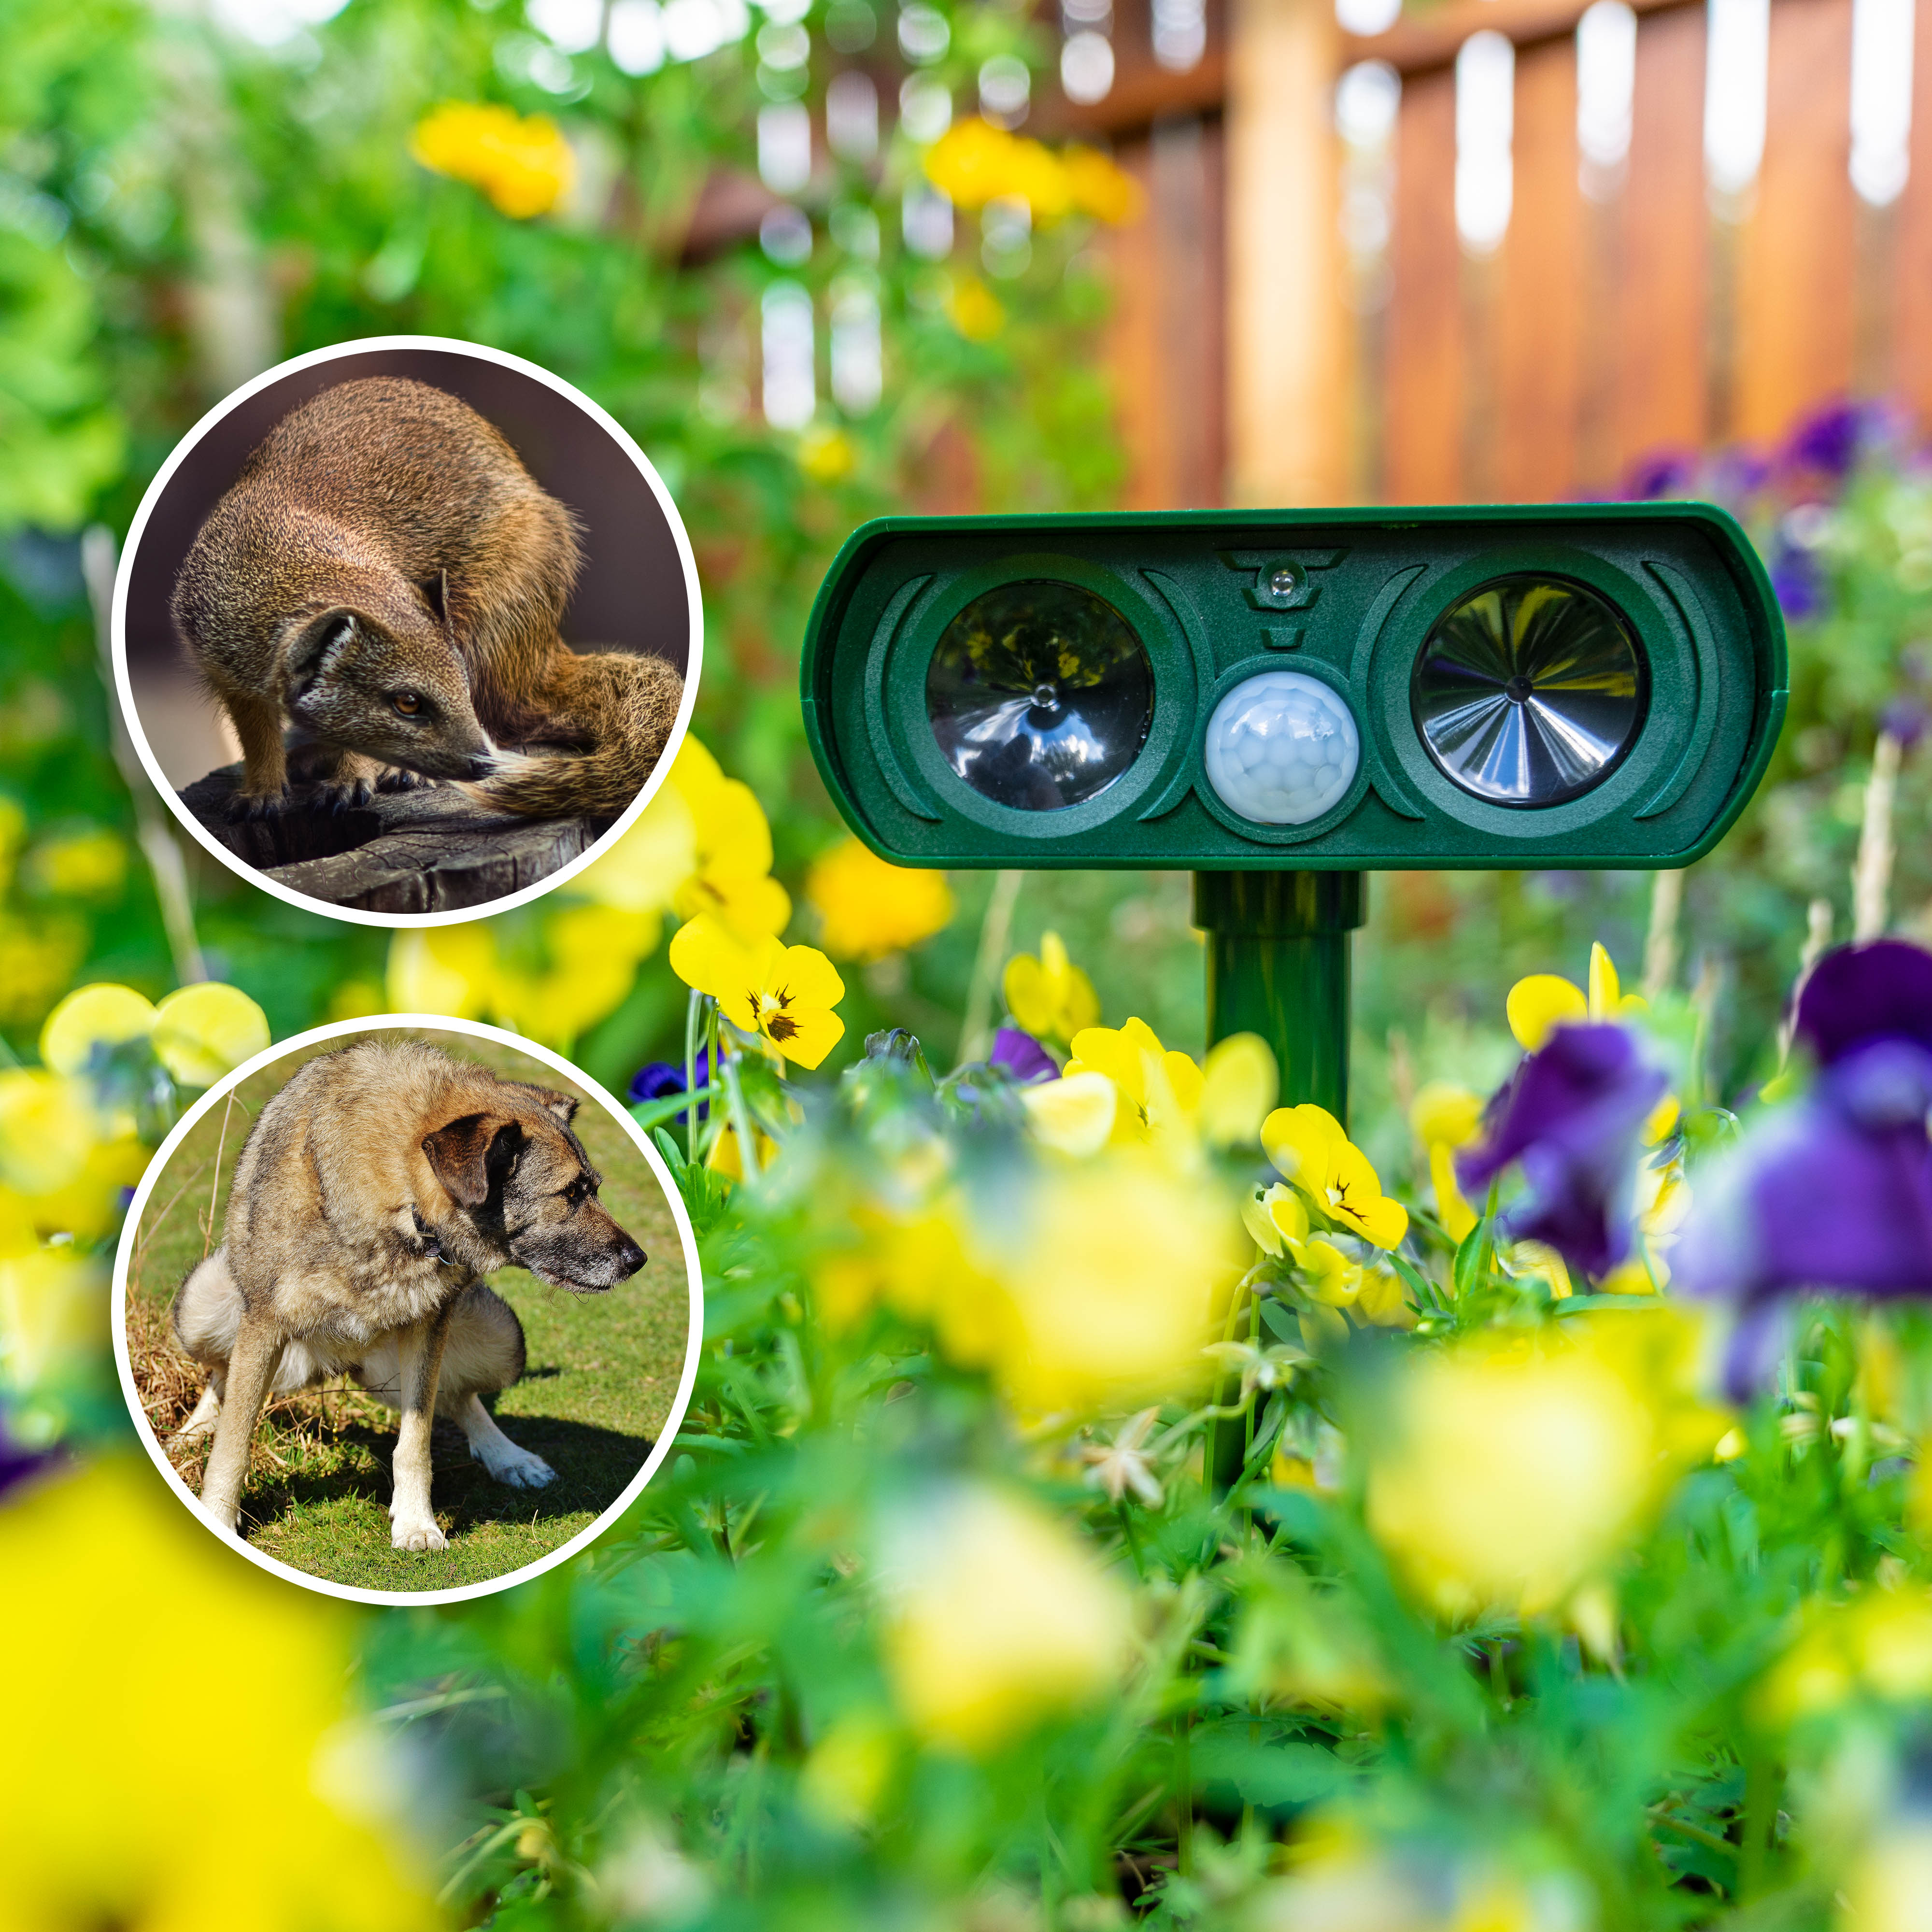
{"points": [[1278, 966]]}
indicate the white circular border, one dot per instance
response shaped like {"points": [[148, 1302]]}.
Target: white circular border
{"points": [[124, 687], [694, 1344]]}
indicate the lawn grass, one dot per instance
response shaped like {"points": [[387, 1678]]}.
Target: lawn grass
{"points": [[603, 1370]]}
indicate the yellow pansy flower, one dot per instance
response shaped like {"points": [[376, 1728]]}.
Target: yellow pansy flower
{"points": [[1444, 1117], [973, 309], [90, 863], [867, 907], [48, 1129], [1153, 1081], [299, 1779], [1308, 1147], [1075, 1113], [651, 861], [783, 994], [997, 1618], [827, 455], [733, 881], [1508, 1472], [522, 163], [1165, 1096], [976, 162], [1050, 997], [1538, 1005], [203, 1031], [102, 1015]]}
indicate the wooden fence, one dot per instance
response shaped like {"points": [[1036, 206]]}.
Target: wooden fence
{"points": [[1602, 331]]}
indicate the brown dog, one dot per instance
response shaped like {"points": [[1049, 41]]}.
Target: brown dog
{"points": [[376, 1190]]}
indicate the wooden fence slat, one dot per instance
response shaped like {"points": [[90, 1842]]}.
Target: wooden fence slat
{"points": [[1910, 357], [1538, 316], [1286, 399], [1166, 348], [1662, 269], [1423, 374], [1796, 256]]}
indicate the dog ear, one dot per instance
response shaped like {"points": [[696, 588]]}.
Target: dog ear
{"points": [[561, 1108], [471, 1154]]}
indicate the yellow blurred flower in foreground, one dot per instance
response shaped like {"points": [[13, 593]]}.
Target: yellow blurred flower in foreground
{"points": [[1507, 1473], [868, 908], [203, 1031], [997, 1618], [48, 1128], [1537, 1005], [523, 164], [102, 1015], [1889, 1889], [1308, 1147], [976, 162], [1115, 1271], [118, 1836], [783, 994], [1049, 996], [1081, 1287], [1443, 1117], [53, 1315], [1878, 1644]]}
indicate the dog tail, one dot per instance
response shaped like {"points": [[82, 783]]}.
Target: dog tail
{"points": [[621, 707], [207, 1311]]}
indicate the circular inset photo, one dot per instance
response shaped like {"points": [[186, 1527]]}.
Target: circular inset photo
{"points": [[406, 629], [409, 1309]]}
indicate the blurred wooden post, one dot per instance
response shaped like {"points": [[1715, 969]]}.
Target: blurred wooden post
{"points": [[1289, 334]]}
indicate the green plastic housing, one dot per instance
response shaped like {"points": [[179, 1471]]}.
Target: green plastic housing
{"points": [[1199, 588]]}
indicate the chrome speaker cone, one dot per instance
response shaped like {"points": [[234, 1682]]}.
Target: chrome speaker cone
{"points": [[1528, 691]]}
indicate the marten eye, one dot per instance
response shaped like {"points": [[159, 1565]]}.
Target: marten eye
{"points": [[407, 703]]}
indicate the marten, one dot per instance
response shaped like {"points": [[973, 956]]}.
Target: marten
{"points": [[385, 574]]}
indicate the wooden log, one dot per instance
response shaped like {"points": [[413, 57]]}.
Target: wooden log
{"points": [[431, 850]]}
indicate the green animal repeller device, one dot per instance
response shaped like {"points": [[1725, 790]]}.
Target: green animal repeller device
{"points": [[1280, 700]]}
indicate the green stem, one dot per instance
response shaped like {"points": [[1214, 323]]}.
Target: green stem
{"points": [[693, 1012], [995, 931], [1760, 1821]]}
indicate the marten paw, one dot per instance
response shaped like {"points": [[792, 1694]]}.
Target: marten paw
{"points": [[335, 799], [396, 779], [252, 808]]}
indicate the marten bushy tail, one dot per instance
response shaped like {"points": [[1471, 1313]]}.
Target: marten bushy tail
{"points": [[619, 707]]}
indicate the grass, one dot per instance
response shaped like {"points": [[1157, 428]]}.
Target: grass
{"points": [[597, 1393]]}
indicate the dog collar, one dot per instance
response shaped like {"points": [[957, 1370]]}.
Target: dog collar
{"points": [[431, 1246]]}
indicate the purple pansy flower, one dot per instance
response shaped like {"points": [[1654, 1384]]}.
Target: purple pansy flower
{"points": [[1827, 442], [1798, 582], [17, 1463], [1022, 1057], [1835, 1194], [659, 1079], [1660, 475], [1571, 1114]]}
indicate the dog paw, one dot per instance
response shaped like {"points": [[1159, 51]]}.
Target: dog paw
{"points": [[335, 799], [519, 1468], [411, 1532], [252, 807]]}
